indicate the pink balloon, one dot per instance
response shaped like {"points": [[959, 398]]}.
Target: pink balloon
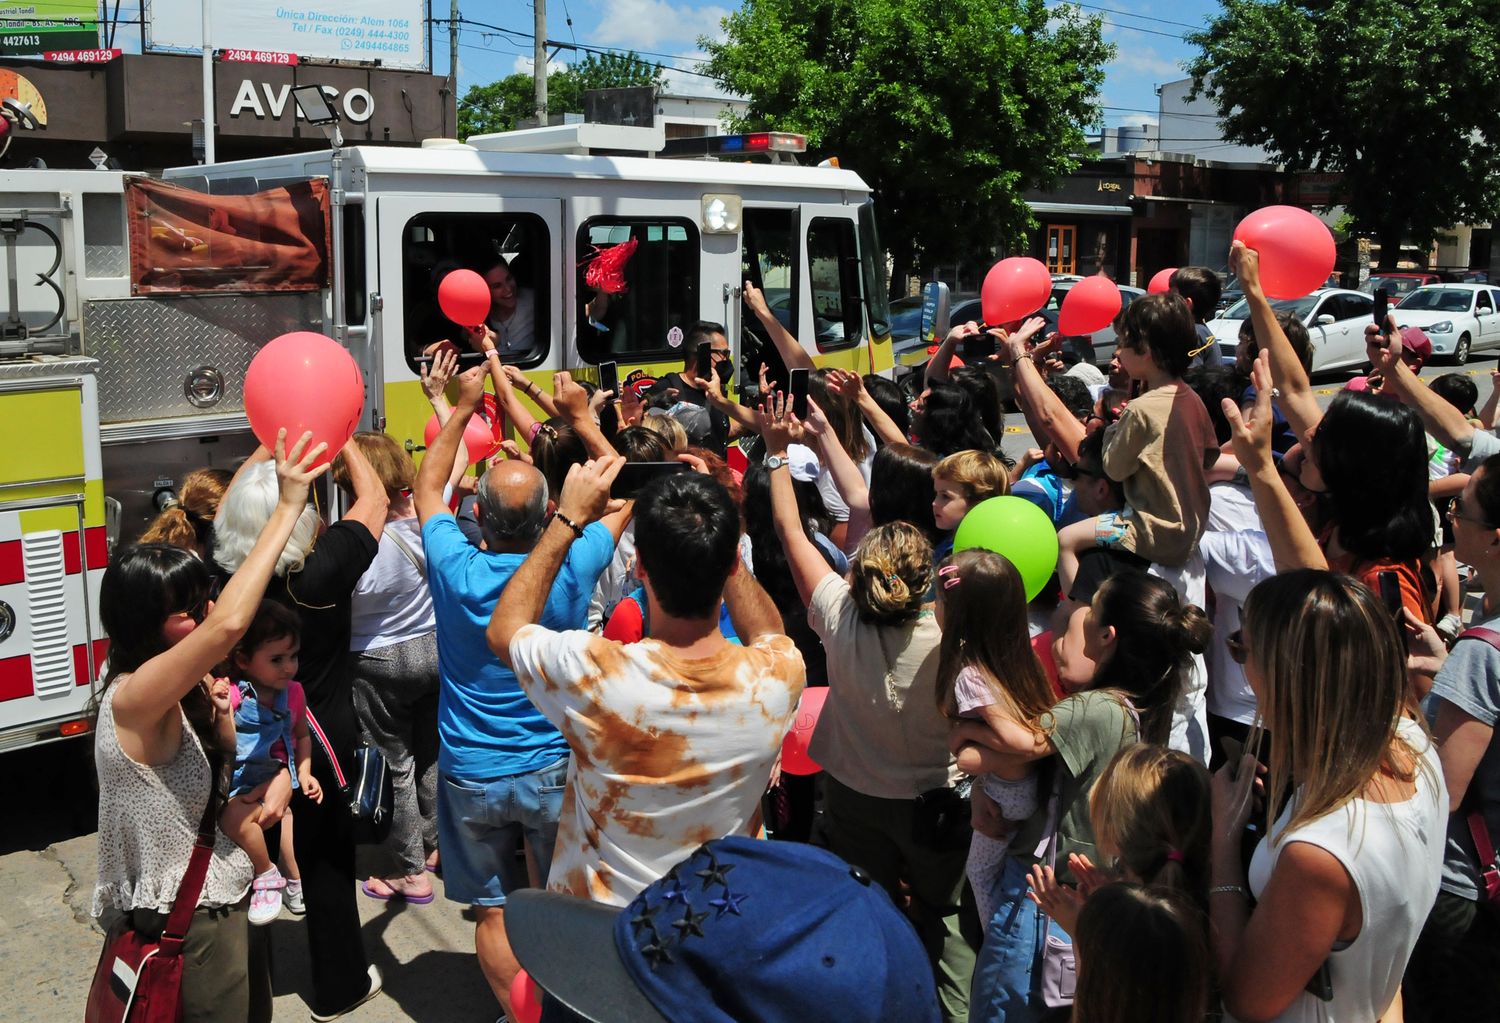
{"points": [[304, 381], [1091, 304], [1161, 281], [1296, 249], [464, 298], [479, 439], [1014, 287], [794, 757], [525, 999]]}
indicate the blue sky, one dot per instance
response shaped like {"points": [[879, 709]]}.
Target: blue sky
{"points": [[1147, 34]]}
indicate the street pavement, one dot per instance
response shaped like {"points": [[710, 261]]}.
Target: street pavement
{"points": [[49, 944]]}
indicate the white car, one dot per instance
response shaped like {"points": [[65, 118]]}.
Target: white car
{"points": [[1335, 319], [1459, 318]]}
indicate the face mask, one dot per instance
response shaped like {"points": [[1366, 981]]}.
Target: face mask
{"points": [[724, 371]]}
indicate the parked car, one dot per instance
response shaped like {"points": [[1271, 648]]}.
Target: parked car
{"points": [[1459, 318], [1398, 285], [1335, 319]]}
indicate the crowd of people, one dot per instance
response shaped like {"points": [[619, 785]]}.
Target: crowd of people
{"points": [[581, 664]]}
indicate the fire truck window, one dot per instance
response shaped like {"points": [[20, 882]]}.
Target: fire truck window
{"points": [[637, 287], [104, 253], [508, 249], [766, 261], [833, 272], [872, 260]]}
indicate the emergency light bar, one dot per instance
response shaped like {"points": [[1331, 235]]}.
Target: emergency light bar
{"points": [[737, 145]]}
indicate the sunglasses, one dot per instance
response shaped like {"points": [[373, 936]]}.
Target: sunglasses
{"points": [[1456, 512], [1238, 651]]}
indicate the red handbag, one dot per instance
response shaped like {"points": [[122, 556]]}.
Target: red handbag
{"points": [[139, 980]]}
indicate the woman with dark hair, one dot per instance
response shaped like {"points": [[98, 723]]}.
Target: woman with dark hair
{"points": [[948, 420], [901, 487], [318, 583], [1124, 662], [985, 395], [159, 752], [887, 395], [1365, 456]]}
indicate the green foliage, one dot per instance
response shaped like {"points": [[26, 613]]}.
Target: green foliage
{"points": [[500, 105], [949, 109], [1396, 95]]}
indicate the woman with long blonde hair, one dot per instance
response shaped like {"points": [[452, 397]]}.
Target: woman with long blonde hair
{"points": [[1350, 866]]}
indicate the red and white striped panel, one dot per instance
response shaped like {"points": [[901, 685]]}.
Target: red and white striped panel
{"points": [[44, 663]]}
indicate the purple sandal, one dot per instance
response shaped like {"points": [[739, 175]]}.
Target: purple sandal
{"points": [[415, 900]]}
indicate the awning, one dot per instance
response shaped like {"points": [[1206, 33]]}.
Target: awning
{"points": [[1086, 209]]}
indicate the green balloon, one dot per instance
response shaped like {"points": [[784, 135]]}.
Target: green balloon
{"points": [[1018, 531]]}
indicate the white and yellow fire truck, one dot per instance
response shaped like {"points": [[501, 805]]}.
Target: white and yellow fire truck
{"points": [[116, 378]]}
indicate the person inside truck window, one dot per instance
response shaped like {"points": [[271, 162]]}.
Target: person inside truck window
{"points": [[512, 311]]}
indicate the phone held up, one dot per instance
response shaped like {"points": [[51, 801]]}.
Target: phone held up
{"points": [[798, 391], [609, 378], [635, 475], [705, 363], [1382, 308], [1390, 595]]}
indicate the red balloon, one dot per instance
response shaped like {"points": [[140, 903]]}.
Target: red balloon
{"points": [[1296, 249], [1014, 288], [525, 999], [1091, 304], [794, 757], [1161, 281], [479, 440], [304, 381], [464, 298]]}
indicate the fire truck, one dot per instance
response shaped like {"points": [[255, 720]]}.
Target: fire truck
{"points": [[136, 303]]}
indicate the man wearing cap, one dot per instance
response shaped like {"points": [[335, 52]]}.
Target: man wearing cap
{"points": [[740, 930], [673, 737]]}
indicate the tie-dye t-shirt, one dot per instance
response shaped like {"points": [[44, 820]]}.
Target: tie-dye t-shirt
{"points": [[668, 752]]}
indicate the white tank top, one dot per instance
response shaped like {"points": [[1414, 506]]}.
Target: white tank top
{"points": [[1394, 853], [148, 823]]}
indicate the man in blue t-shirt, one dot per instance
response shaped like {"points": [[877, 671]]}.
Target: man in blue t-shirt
{"points": [[502, 767]]}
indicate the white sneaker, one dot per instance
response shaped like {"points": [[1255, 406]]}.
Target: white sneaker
{"points": [[375, 982], [291, 898], [265, 897]]}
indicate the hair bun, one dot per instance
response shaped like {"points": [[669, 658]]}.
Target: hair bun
{"points": [[1195, 628]]}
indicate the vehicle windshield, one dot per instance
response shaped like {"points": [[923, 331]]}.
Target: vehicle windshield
{"points": [[1443, 300], [906, 317], [1394, 286], [1298, 307]]}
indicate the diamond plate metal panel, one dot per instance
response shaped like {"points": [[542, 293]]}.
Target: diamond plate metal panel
{"points": [[148, 348]]}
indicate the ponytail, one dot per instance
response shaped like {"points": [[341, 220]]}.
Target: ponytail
{"points": [[1151, 808], [173, 527]]}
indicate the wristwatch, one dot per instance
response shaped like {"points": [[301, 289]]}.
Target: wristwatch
{"points": [[774, 462]]}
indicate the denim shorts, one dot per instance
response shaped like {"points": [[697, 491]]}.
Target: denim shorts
{"points": [[481, 826]]}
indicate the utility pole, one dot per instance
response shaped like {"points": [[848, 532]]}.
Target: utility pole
{"points": [[453, 57], [208, 83], [539, 58]]}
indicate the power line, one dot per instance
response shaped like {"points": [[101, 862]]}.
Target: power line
{"points": [[1132, 14]]}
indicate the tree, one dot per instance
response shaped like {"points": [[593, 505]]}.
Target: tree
{"points": [[501, 105], [949, 109], [1397, 96]]}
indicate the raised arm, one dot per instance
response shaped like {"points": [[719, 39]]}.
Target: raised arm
{"points": [[1292, 542], [713, 392], [1446, 423], [791, 351], [1297, 401], [751, 610], [1492, 403], [584, 499], [573, 405], [1043, 409], [846, 475], [371, 502], [143, 703], [852, 385], [805, 561], [432, 474]]}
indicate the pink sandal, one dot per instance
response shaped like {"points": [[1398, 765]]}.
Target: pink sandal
{"points": [[392, 892]]}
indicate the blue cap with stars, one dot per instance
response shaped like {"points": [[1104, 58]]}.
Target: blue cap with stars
{"points": [[741, 930]]}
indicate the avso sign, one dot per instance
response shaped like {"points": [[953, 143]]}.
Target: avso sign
{"points": [[275, 101], [389, 31]]}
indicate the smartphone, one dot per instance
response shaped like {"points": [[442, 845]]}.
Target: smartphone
{"points": [[635, 475], [1382, 307], [979, 346], [705, 364], [1390, 595], [798, 389], [609, 378]]}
